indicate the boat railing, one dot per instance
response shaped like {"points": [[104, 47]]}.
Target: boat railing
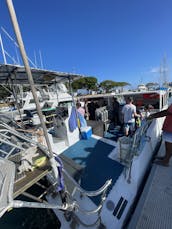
{"points": [[139, 139], [101, 191], [88, 193], [131, 146]]}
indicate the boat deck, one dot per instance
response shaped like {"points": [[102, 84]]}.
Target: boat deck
{"points": [[154, 209], [95, 166]]}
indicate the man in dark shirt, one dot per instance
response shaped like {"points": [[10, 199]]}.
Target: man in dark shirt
{"points": [[116, 111]]}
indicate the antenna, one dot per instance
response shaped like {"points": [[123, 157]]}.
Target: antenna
{"points": [[40, 55], [165, 71]]}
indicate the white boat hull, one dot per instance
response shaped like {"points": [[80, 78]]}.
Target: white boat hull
{"points": [[126, 187]]}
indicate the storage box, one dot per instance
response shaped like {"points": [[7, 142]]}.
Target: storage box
{"points": [[86, 132]]}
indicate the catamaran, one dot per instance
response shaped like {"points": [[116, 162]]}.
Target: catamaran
{"points": [[124, 163]]}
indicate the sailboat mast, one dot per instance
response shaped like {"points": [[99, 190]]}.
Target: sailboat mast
{"points": [[165, 71], [31, 82]]}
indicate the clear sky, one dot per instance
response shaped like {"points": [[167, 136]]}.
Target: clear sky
{"points": [[120, 40]]}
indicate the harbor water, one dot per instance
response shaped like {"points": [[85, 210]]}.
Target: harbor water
{"points": [[27, 218]]}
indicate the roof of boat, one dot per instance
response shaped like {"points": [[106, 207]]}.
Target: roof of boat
{"points": [[126, 93], [17, 74]]}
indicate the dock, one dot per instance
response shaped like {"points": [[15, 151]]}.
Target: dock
{"points": [[154, 209]]}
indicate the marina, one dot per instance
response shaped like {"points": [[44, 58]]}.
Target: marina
{"points": [[79, 170]]}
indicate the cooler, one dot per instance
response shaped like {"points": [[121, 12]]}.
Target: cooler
{"points": [[86, 132]]}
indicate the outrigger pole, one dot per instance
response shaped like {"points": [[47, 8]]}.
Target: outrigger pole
{"points": [[3, 52], [31, 82]]}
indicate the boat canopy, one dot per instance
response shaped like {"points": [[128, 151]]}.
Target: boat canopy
{"points": [[17, 75]]}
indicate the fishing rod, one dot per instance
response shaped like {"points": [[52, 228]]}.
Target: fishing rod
{"points": [[31, 82]]}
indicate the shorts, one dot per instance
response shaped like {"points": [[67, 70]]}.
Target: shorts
{"points": [[167, 136], [129, 126]]}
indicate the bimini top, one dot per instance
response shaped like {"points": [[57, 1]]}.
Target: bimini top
{"points": [[15, 74]]}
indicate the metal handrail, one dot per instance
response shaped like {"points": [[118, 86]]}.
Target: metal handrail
{"points": [[89, 193]]}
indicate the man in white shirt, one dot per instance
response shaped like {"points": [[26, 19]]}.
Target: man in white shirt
{"points": [[129, 115]]}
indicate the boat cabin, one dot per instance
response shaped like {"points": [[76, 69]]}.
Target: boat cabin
{"points": [[157, 99]]}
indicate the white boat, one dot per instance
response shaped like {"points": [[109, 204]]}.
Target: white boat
{"points": [[50, 92], [115, 176], [101, 183], [101, 161]]}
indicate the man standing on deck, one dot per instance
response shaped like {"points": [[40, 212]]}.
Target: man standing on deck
{"points": [[166, 135], [129, 115]]}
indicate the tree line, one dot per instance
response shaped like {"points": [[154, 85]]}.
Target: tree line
{"points": [[91, 83]]}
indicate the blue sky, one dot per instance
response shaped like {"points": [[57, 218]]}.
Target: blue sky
{"points": [[120, 40]]}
